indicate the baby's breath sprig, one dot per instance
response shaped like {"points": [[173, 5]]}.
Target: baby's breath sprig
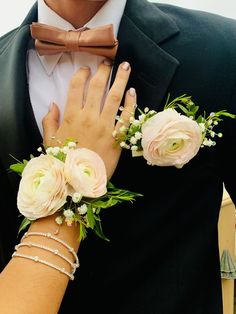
{"points": [[60, 152], [131, 138]]}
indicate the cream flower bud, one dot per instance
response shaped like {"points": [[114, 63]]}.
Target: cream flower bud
{"points": [[76, 197], [68, 213], [138, 135], [152, 112], [131, 119], [65, 149], [123, 129], [55, 150], [202, 127], [49, 150], [69, 221], [82, 210], [133, 140], [71, 144], [59, 220], [136, 122], [114, 133], [141, 117]]}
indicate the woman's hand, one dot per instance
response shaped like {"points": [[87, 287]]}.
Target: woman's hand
{"points": [[85, 120]]}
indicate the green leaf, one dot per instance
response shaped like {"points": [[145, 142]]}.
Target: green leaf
{"points": [[227, 114], [195, 109], [105, 204], [25, 222], [90, 217], [61, 156], [200, 119], [111, 202], [25, 162], [100, 204], [98, 231], [110, 185], [18, 168], [167, 101], [183, 109], [83, 232]]}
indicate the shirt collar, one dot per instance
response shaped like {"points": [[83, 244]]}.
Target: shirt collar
{"points": [[110, 13]]}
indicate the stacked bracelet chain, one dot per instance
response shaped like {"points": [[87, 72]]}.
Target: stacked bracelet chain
{"points": [[73, 265]]}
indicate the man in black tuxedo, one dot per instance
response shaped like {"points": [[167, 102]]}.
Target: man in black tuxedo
{"points": [[163, 256]]}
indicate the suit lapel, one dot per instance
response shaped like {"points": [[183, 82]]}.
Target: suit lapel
{"points": [[142, 30], [18, 129]]}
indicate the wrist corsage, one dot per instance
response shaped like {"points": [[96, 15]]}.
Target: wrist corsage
{"points": [[71, 181], [169, 137]]}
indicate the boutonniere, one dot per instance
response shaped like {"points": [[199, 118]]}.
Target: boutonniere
{"points": [[71, 181], [173, 136]]}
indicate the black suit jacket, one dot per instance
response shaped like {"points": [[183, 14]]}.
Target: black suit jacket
{"points": [[163, 256]]}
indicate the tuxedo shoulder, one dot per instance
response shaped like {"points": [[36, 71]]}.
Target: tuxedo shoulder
{"points": [[6, 38], [203, 30], [200, 20]]}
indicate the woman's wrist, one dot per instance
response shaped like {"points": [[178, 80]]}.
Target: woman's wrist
{"points": [[68, 234], [50, 243]]}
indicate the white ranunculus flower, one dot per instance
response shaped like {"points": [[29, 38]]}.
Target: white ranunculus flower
{"points": [[85, 172], [170, 139], [42, 189]]}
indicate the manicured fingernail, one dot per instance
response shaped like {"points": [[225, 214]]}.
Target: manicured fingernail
{"points": [[85, 67], [125, 66], [132, 91], [107, 62]]}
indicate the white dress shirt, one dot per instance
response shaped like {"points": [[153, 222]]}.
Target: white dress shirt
{"points": [[49, 76]]}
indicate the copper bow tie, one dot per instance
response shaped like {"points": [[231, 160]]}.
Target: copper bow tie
{"points": [[51, 40]]}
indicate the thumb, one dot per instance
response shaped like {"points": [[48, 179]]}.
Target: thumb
{"points": [[50, 124]]}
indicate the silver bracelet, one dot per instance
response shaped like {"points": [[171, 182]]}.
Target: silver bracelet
{"points": [[54, 251], [50, 236], [38, 260]]}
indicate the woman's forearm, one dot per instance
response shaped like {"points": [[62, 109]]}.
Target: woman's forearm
{"points": [[25, 284]]}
